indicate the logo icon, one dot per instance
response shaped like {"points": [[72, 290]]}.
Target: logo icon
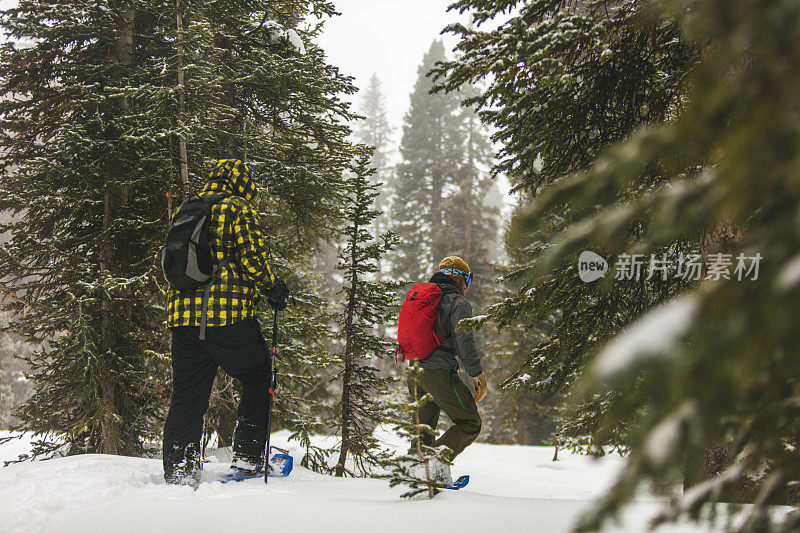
{"points": [[591, 266]]}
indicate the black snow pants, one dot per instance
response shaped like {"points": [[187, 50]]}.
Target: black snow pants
{"points": [[241, 351]]}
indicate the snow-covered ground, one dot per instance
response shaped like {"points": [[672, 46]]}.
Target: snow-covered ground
{"points": [[512, 488]]}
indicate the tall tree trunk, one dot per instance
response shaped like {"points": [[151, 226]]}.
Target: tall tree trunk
{"points": [[110, 429], [226, 124], [182, 104], [347, 408], [712, 460], [346, 416], [469, 184], [229, 97], [379, 269], [437, 185], [110, 437]]}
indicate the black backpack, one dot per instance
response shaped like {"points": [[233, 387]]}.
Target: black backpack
{"points": [[186, 259]]}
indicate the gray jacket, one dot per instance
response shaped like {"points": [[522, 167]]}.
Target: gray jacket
{"points": [[453, 308]]}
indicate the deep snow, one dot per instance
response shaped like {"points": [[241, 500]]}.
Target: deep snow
{"points": [[512, 488]]}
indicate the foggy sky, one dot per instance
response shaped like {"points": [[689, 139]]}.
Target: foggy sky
{"points": [[389, 38]]}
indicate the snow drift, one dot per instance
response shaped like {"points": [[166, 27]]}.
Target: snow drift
{"points": [[513, 488]]}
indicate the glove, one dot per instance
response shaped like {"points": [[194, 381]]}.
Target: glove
{"points": [[481, 388], [278, 295]]}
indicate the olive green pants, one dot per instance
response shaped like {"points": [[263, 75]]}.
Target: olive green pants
{"points": [[455, 399]]}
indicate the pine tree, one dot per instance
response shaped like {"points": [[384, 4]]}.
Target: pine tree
{"points": [[569, 80], [375, 131], [366, 304], [84, 177], [441, 184], [470, 222], [93, 131], [723, 366], [252, 95], [431, 150]]}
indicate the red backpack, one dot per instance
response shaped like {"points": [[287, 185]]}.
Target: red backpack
{"points": [[418, 314]]}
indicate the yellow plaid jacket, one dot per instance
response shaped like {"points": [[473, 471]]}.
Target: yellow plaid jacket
{"points": [[234, 233]]}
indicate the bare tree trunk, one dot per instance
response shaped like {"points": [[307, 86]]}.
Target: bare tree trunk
{"points": [[182, 103], [223, 403], [558, 445], [522, 435]]}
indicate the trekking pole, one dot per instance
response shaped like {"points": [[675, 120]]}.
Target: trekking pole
{"points": [[271, 390], [203, 442]]}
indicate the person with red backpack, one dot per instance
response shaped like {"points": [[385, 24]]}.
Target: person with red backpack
{"points": [[427, 332]]}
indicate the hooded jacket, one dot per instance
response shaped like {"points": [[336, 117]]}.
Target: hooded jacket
{"points": [[453, 308], [234, 233]]}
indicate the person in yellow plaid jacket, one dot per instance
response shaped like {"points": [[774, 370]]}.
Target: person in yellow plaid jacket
{"points": [[233, 338], [235, 233]]}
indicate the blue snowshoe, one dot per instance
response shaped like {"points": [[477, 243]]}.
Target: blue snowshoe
{"points": [[280, 465], [460, 483]]}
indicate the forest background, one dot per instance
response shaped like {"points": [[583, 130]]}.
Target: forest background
{"points": [[664, 131]]}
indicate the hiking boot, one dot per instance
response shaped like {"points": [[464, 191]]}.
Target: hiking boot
{"points": [[187, 470], [246, 467], [248, 446], [440, 472]]}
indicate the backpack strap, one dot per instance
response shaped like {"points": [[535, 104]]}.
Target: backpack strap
{"points": [[439, 345], [211, 199], [215, 198]]}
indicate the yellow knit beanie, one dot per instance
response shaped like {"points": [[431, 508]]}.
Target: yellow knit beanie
{"points": [[456, 263]]}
